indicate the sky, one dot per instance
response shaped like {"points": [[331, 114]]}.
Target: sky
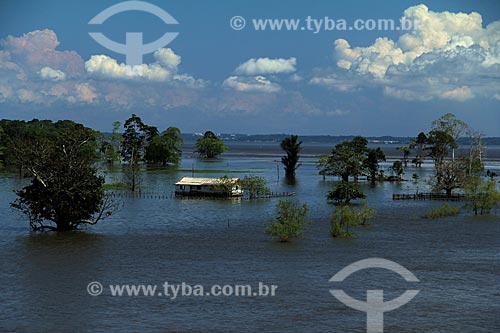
{"points": [[314, 80]]}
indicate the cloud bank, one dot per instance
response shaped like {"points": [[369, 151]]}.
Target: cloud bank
{"points": [[448, 55]]}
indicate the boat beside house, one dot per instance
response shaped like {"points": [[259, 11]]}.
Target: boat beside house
{"points": [[216, 187]]}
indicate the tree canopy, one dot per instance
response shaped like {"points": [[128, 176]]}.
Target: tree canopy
{"points": [[65, 189], [292, 148], [344, 192], [210, 145], [165, 148], [346, 159], [453, 172]]}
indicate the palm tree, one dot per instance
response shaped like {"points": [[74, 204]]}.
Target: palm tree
{"points": [[292, 149]]}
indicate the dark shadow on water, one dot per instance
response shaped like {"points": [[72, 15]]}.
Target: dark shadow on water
{"points": [[52, 240]]}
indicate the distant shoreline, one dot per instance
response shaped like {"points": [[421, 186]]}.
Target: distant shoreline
{"points": [[314, 150], [320, 139]]}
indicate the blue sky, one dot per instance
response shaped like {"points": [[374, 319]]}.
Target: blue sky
{"points": [[213, 77]]}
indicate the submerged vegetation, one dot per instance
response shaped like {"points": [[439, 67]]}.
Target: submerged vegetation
{"points": [[444, 210], [345, 217], [254, 187], [290, 221], [484, 196]]}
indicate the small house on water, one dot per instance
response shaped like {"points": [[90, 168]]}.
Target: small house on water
{"points": [[217, 187]]}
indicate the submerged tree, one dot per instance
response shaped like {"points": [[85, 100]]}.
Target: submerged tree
{"points": [[419, 146], [397, 169], [342, 219], [345, 217], [210, 145], [371, 163], [347, 159], [292, 148], [65, 190], [254, 187], [290, 221], [365, 213], [136, 138], [406, 154], [455, 172], [484, 196], [344, 192], [165, 148], [452, 126]]}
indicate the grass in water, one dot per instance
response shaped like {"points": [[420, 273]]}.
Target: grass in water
{"points": [[120, 186], [442, 211]]}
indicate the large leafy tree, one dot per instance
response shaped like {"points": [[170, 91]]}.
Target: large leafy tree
{"points": [[16, 131], [450, 175], [440, 145], [292, 148], [455, 172], [210, 145], [452, 126], [165, 148], [344, 192], [65, 189], [347, 159], [371, 162], [135, 139]]}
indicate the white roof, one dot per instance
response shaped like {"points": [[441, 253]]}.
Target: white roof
{"points": [[202, 181]]}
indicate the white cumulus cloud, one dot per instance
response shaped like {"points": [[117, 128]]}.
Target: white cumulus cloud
{"points": [[448, 55], [251, 84], [167, 58], [267, 66], [50, 74], [106, 67]]}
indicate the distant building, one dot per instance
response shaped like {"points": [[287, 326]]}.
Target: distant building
{"points": [[190, 186]]}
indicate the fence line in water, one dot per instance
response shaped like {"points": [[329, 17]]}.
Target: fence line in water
{"points": [[141, 194], [433, 196]]}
